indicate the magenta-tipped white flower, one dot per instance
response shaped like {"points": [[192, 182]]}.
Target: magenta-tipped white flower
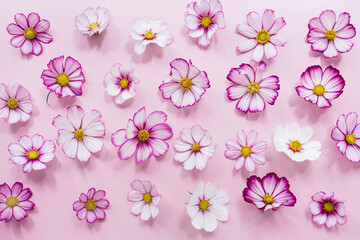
{"points": [[203, 19], [146, 199], [32, 152], [194, 148], [330, 36], [93, 21], [79, 133], [148, 31], [15, 103], [120, 83], [262, 34]]}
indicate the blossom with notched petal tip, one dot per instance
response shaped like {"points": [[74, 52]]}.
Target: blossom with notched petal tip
{"points": [[93, 21]]}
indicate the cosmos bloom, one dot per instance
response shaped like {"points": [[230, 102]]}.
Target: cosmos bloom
{"points": [[194, 148], [318, 86], [32, 152], [186, 84], [262, 34], [330, 36], [120, 82], [325, 209], [93, 21], [203, 19], [146, 199], [347, 135], [246, 150], [147, 31], [250, 89], [144, 136], [91, 205], [78, 133], [269, 192], [295, 142], [64, 78], [14, 202], [15, 103], [29, 32]]}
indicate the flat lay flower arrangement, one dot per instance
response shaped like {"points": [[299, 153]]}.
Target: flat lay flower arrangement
{"points": [[201, 120]]}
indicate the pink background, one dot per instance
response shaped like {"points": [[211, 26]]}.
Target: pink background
{"points": [[56, 188]]}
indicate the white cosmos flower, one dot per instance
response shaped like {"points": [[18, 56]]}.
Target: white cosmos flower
{"points": [[295, 142]]}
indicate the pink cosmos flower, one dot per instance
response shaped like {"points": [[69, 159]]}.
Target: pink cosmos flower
{"points": [[251, 89], [14, 202], [263, 35], [29, 32], [146, 199], [186, 84], [32, 152], [144, 136], [15, 103], [246, 150], [269, 192], [320, 86], [203, 19], [347, 135], [78, 133], [64, 78], [93, 21], [91, 206], [325, 209], [331, 37], [119, 82], [193, 148]]}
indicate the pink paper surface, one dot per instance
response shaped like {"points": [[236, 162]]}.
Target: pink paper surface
{"points": [[55, 189]]}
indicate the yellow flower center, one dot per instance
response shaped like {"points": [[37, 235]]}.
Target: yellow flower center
{"points": [[245, 151], [32, 154], [143, 135], [350, 139], [79, 134], [253, 87], [90, 204], [12, 103], [263, 36], [295, 145], [319, 90], [29, 33], [330, 34], [93, 25], [62, 79], [11, 201], [205, 22], [147, 197], [328, 207], [268, 199], [204, 205], [195, 147], [149, 35], [124, 83], [185, 83]]}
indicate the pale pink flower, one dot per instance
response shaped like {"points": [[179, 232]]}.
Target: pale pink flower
{"points": [[93, 21]]}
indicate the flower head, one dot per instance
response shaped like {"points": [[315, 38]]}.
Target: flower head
{"points": [[269, 192], [263, 35], [203, 19], [318, 86], [64, 78], [78, 133], [15, 103], [14, 202], [91, 205], [206, 206], [330, 36], [32, 152], [246, 150], [146, 199], [325, 209], [251, 89], [93, 21], [295, 142], [194, 148], [120, 82], [186, 84], [29, 32], [147, 31]]}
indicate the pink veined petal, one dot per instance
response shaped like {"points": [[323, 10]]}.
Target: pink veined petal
{"points": [[315, 23], [127, 149], [159, 147], [243, 75], [19, 213], [17, 41], [44, 37], [21, 20], [204, 40], [92, 144], [83, 154], [37, 48], [268, 19], [351, 122], [315, 34], [249, 164], [27, 47], [343, 21], [90, 216], [33, 19], [315, 208], [15, 29], [236, 92], [140, 118], [219, 20], [75, 115], [343, 45], [161, 131], [270, 50], [259, 159], [247, 45], [347, 32], [258, 53], [254, 21], [42, 26], [192, 21], [118, 138], [257, 103], [328, 19], [246, 31], [244, 103], [99, 213], [202, 8], [277, 40], [279, 23]]}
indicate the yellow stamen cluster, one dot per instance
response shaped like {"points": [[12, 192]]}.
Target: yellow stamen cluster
{"points": [[268, 198], [328, 207], [147, 197], [263, 36], [185, 83], [245, 151], [330, 34], [143, 135], [32, 154], [204, 205], [195, 147], [124, 83], [295, 145], [12, 103], [350, 139], [62, 79], [79, 134], [11, 201], [205, 22], [253, 87], [92, 26], [90, 204], [29, 33], [149, 35], [319, 90]]}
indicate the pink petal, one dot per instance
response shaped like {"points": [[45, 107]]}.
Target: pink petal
{"points": [[328, 19], [161, 131], [27, 47], [246, 31], [127, 149], [343, 21], [347, 32], [254, 21], [21, 20], [42, 26], [268, 19], [258, 53], [33, 19], [343, 45], [247, 45], [158, 146], [14, 29], [144, 152], [278, 25]]}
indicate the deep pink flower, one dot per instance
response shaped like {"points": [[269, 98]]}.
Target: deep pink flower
{"points": [[269, 192], [347, 135], [186, 84], [251, 89], [320, 86], [29, 32], [14, 202], [330, 36], [144, 136], [91, 206], [325, 209], [203, 19]]}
